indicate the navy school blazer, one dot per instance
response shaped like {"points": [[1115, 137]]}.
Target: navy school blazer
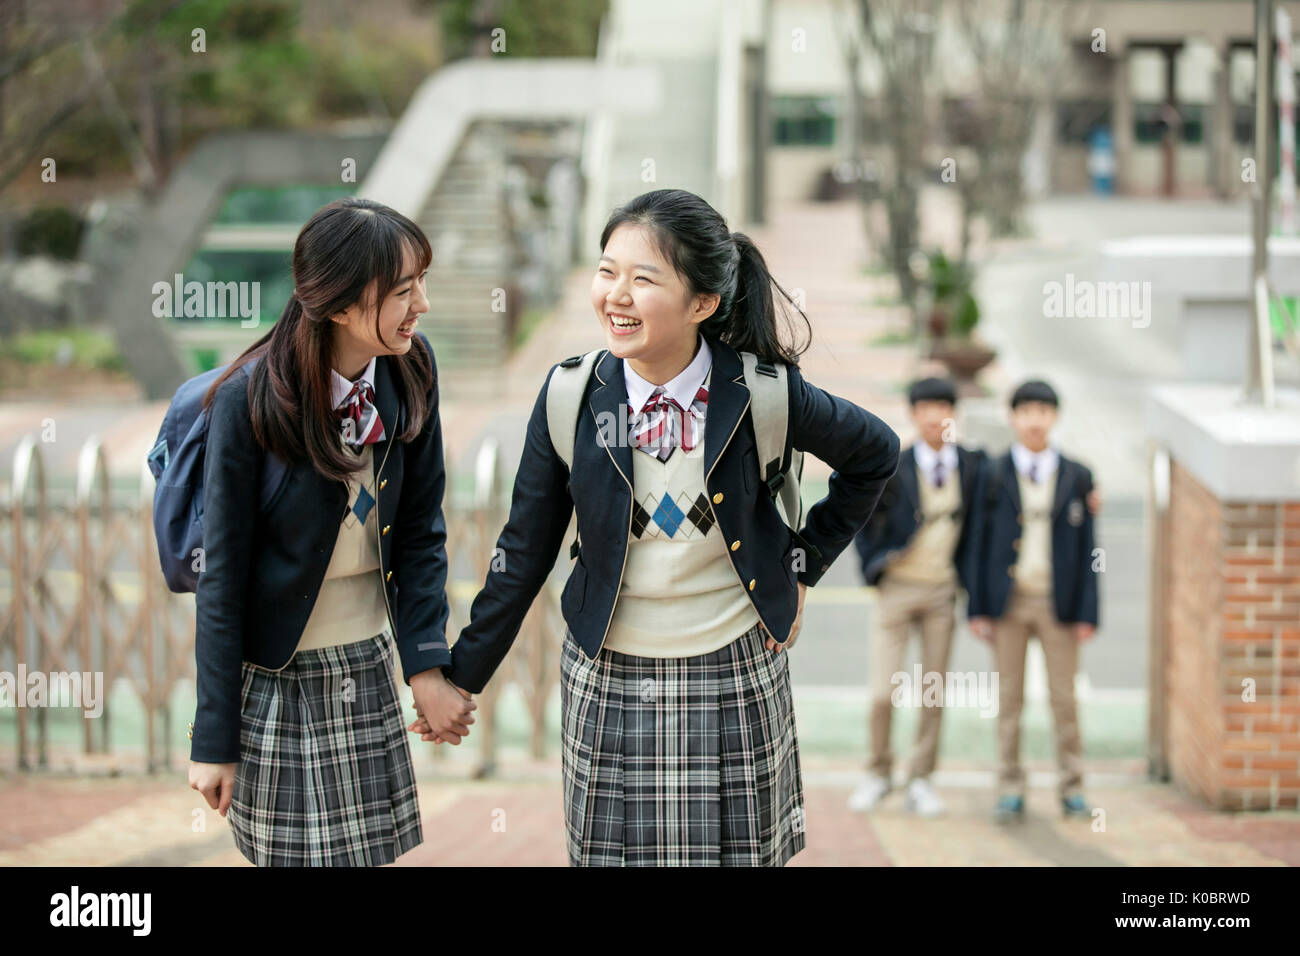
{"points": [[998, 524], [768, 559], [264, 568], [898, 516]]}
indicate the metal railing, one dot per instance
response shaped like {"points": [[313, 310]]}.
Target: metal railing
{"points": [[86, 596]]}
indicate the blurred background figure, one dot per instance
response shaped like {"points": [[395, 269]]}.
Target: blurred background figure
{"points": [[913, 551]]}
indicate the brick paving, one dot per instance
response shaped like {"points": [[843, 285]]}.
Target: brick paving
{"points": [[517, 820]]}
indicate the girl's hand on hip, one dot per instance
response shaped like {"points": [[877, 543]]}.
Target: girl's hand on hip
{"points": [[771, 644], [216, 781]]}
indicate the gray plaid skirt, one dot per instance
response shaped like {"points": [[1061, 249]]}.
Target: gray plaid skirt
{"points": [[688, 761], [324, 776]]}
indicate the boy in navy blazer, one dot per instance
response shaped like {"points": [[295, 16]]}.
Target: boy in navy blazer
{"points": [[914, 551], [1034, 574]]}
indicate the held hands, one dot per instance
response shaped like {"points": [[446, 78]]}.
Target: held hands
{"points": [[216, 781], [443, 711], [794, 628]]}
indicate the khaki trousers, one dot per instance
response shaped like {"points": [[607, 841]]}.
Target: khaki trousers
{"points": [[1026, 615], [902, 604]]}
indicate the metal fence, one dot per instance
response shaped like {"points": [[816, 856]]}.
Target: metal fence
{"points": [[86, 595]]}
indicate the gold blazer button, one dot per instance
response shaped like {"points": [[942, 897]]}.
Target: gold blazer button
{"points": [[386, 527], [382, 482], [752, 582], [717, 499], [735, 545], [388, 576]]}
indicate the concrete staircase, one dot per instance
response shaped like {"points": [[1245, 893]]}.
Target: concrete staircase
{"points": [[446, 165], [472, 307]]}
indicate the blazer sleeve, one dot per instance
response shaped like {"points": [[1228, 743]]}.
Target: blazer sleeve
{"points": [[875, 534], [1088, 604], [420, 550], [540, 509], [231, 477], [861, 448]]}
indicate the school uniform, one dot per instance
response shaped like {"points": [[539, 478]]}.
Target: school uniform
{"points": [[299, 611], [679, 743], [1035, 578], [915, 552]]}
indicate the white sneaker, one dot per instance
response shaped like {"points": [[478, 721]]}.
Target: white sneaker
{"points": [[869, 793], [922, 800]]}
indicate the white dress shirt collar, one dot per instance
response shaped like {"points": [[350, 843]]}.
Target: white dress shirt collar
{"points": [[681, 389], [927, 458], [1045, 460], [340, 386]]}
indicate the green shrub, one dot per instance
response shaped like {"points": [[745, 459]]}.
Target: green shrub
{"points": [[50, 231], [86, 348]]}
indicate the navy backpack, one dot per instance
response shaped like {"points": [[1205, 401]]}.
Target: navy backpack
{"points": [[176, 462]]}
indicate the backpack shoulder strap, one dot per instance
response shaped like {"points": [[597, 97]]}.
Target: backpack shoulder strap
{"points": [[564, 398], [769, 397], [769, 402]]}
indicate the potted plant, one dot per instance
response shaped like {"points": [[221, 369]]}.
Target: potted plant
{"points": [[953, 315]]}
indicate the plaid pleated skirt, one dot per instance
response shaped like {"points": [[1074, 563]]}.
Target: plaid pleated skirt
{"points": [[324, 776], [689, 761]]}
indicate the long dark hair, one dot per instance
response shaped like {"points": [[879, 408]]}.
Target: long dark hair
{"points": [[341, 250], [712, 259]]}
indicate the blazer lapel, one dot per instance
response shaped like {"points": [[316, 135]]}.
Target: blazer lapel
{"points": [[1011, 480], [967, 466], [728, 399], [1064, 482], [907, 477], [387, 404], [608, 403]]}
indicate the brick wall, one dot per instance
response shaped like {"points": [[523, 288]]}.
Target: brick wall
{"points": [[1234, 615]]}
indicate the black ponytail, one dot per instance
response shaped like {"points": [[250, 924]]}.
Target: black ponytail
{"points": [[711, 259]]}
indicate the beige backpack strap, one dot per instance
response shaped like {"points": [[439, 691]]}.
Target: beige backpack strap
{"points": [[564, 399], [769, 404]]}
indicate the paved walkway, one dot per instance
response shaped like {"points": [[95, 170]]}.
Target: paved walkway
{"points": [[518, 821]]}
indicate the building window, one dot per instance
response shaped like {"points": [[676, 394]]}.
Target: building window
{"points": [[1150, 121], [276, 204], [803, 120]]}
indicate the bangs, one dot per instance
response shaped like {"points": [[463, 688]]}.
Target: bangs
{"points": [[391, 240]]}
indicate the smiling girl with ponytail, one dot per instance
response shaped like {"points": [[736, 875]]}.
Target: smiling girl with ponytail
{"points": [[679, 742]]}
